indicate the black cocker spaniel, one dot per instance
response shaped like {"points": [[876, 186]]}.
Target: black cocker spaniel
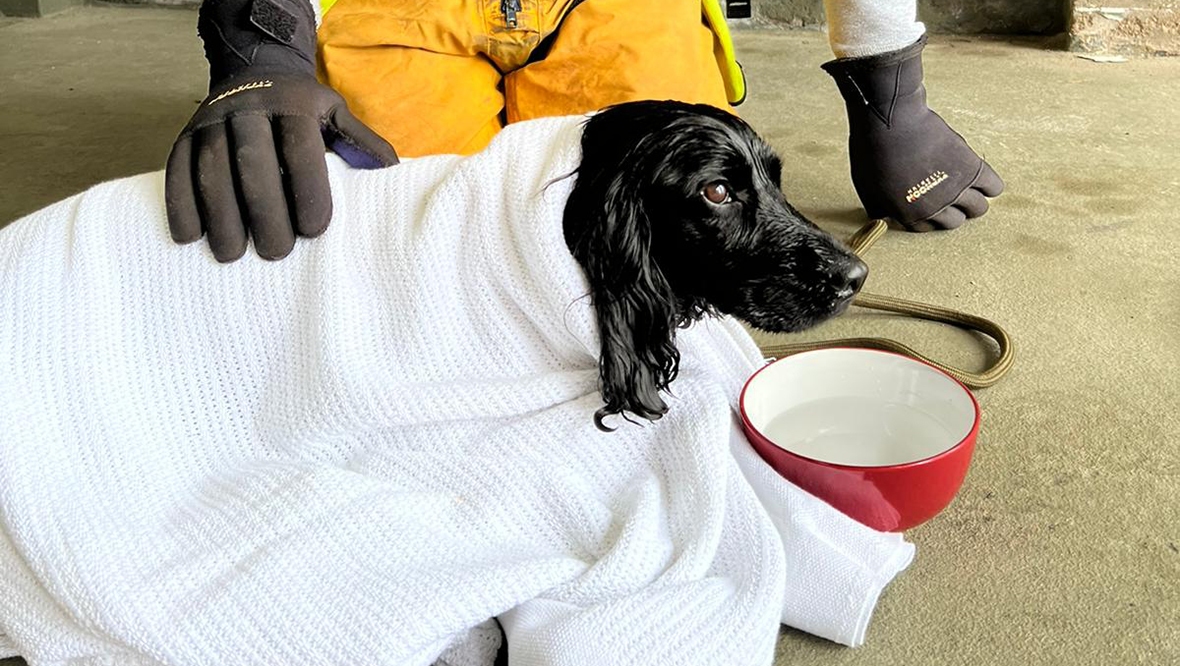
{"points": [[677, 213]]}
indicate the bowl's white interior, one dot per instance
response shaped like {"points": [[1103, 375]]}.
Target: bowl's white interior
{"points": [[858, 407]]}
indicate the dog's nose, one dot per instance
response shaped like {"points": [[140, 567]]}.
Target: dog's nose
{"points": [[854, 278]]}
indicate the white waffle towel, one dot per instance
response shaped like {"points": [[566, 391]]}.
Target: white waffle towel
{"points": [[363, 453]]}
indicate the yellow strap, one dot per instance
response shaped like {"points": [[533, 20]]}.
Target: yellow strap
{"points": [[325, 5], [860, 242], [731, 71]]}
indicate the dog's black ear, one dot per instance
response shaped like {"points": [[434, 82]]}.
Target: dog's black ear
{"points": [[609, 233]]}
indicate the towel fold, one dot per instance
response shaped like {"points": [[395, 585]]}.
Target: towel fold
{"points": [[367, 451]]}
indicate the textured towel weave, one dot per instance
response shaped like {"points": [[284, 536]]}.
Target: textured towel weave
{"points": [[364, 452]]}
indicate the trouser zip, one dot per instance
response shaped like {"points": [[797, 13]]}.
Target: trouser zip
{"points": [[509, 8]]}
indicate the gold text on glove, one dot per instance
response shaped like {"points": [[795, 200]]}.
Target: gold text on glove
{"points": [[242, 88], [927, 184]]}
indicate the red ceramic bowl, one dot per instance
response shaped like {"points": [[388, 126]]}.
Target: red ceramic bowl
{"points": [[882, 437]]}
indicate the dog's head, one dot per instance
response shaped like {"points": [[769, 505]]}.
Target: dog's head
{"points": [[678, 212]]}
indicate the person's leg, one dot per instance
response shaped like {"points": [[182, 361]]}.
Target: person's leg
{"points": [[414, 72], [612, 51]]}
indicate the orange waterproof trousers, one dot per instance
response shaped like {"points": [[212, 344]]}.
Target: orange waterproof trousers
{"points": [[444, 76]]}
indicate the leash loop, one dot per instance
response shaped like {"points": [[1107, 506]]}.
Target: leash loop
{"points": [[860, 242]]}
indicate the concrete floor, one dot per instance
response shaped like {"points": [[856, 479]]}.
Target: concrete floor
{"points": [[1064, 545]]}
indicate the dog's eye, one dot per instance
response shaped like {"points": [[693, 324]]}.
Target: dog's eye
{"points": [[717, 192]]}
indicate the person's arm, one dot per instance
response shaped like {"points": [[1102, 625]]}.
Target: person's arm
{"points": [[907, 163], [250, 162]]}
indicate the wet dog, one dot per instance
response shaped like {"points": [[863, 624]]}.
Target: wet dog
{"points": [[678, 213]]}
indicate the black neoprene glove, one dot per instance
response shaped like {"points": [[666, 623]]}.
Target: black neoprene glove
{"points": [[251, 160], [907, 163]]}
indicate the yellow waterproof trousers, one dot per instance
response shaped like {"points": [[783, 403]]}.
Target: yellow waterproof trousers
{"points": [[444, 76]]}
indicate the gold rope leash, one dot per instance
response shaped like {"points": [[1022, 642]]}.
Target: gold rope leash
{"points": [[861, 241]]}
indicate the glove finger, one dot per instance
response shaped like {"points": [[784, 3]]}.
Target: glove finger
{"points": [[261, 184], [988, 182], [950, 217], [184, 220], [357, 143], [215, 184], [309, 196], [972, 203]]}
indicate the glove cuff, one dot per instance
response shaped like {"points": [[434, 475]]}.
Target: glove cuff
{"points": [[879, 89], [249, 37], [861, 64]]}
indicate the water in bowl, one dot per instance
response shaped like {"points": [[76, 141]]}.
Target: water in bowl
{"points": [[851, 430]]}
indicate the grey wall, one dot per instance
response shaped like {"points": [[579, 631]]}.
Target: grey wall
{"points": [[945, 16], [35, 7]]}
